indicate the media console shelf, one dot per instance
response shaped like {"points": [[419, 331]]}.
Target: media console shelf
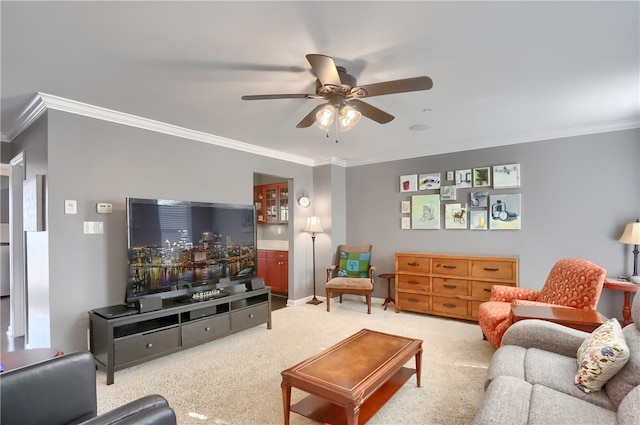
{"points": [[121, 342]]}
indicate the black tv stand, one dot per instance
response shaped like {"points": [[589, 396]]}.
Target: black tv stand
{"points": [[121, 341]]}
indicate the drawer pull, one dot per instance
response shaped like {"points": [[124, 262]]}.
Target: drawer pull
{"points": [[149, 345], [491, 269], [450, 286], [449, 305], [487, 290], [414, 264], [207, 329], [251, 316], [449, 267], [413, 300], [413, 282]]}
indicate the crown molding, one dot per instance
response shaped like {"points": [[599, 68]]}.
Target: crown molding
{"points": [[32, 112], [43, 101], [511, 140]]}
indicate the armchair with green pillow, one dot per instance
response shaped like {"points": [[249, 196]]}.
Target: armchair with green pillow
{"points": [[352, 273], [546, 373]]}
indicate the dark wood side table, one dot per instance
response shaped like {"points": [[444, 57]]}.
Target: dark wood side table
{"points": [[389, 299], [582, 320], [628, 288]]}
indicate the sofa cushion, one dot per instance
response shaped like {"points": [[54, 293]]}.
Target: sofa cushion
{"points": [[548, 406], [629, 409], [601, 355], [542, 367], [629, 377], [506, 401], [354, 264], [558, 372], [508, 360]]}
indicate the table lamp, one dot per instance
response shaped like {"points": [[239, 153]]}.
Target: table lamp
{"points": [[313, 226], [631, 236]]}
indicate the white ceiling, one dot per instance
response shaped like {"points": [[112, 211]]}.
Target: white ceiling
{"points": [[503, 72]]}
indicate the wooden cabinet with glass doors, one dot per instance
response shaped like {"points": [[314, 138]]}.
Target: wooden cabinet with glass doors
{"points": [[272, 203]]}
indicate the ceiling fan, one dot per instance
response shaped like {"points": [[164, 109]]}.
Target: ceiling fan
{"points": [[343, 95]]}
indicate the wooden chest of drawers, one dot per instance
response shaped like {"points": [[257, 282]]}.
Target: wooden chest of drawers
{"points": [[450, 285]]}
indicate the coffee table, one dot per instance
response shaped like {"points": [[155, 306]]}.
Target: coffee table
{"points": [[582, 320], [357, 375]]}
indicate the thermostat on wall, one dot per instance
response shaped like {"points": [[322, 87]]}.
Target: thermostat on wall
{"points": [[104, 208]]}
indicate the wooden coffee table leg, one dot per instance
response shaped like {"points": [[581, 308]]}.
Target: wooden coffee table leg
{"points": [[286, 402], [352, 415], [418, 365]]}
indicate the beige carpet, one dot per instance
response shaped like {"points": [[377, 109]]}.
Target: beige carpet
{"points": [[236, 380]]}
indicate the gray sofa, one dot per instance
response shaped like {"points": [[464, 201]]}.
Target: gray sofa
{"points": [[62, 390], [531, 379]]}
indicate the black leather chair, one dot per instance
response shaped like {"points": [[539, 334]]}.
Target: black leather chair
{"points": [[62, 390]]}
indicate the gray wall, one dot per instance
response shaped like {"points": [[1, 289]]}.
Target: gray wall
{"points": [[93, 161], [577, 195], [5, 152]]}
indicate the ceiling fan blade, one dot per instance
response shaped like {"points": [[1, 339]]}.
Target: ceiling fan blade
{"points": [[396, 86], [371, 112], [279, 96], [325, 69], [310, 118]]}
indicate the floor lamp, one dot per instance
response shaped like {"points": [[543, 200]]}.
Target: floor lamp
{"points": [[631, 236], [313, 226]]}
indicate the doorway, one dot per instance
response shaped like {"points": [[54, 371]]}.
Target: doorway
{"points": [[17, 258], [274, 211]]}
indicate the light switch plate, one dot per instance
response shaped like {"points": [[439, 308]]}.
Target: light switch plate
{"points": [[70, 206], [93, 227]]}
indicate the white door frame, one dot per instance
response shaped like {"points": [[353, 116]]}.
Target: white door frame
{"points": [[17, 253]]}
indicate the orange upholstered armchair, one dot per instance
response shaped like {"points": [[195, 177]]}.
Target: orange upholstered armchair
{"points": [[572, 283]]}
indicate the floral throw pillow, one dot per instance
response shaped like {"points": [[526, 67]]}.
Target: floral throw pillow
{"points": [[601, 356], [354, 264]]}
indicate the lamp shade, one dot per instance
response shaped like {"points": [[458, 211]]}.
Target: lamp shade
{"points": [[631, 234], [349, 117], [313, 225], [324, 117]]}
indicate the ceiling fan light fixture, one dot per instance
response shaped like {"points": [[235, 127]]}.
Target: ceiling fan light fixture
{"points": [[324, 117], [348, 117]]}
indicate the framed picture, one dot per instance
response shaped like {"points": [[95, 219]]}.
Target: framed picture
{"points": [[429, 181], [506, 176], [449, 175], [463, 178], [505, 212], [409, 183], [448, 193], [482, 177], [405, 207], [479, 199], [405, 223], [455, 216], [425, 212], [478, 220]]}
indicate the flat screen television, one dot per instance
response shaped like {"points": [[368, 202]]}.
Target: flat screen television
{"points": [[176, 248]]}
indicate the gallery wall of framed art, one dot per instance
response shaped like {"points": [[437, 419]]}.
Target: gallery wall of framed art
{"points": [[467, 199]]}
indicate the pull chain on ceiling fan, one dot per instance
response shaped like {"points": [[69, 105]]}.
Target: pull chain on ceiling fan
{"points": [[343, 95]]}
